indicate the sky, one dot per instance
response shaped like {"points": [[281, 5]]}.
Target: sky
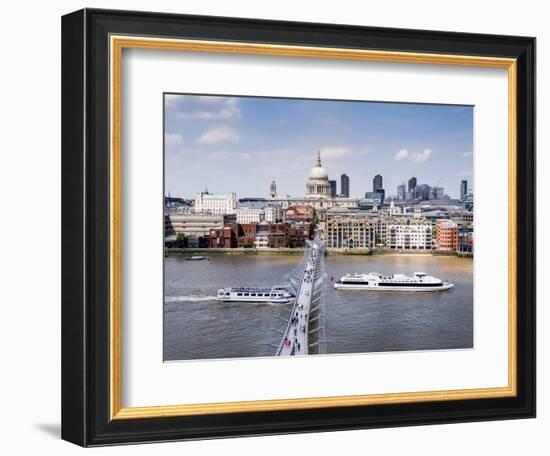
{"points": [[239, 144]]}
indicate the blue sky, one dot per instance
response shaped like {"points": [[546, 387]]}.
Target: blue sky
{"points": [[241, 143]]}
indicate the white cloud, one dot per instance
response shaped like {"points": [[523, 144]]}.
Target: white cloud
{"points": [[334, 152], [218, 155], [206, 99], [416, 157], [224, 154], [421, 157], [172, 101], [173, 139], [217, 135], [467, 154], [206, 108], [401, 155]]}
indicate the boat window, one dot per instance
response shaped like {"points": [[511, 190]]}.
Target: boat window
{"points": [[239, 294], [226, 294], [247, 294]]}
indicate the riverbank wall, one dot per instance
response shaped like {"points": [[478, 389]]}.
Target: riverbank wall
{"points": [[300, 251], [235, 251]]}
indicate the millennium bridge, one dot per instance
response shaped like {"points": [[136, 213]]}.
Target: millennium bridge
{"points": [[304, 332]]}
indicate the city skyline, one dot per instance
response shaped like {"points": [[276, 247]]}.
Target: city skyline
{"points": [[213, 142]]}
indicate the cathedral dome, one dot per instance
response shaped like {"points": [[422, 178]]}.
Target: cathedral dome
{"points": [[318, 185], [318, 172]]}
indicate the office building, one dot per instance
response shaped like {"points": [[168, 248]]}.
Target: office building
{"points": [[412, 184], [210, 203], [377, 183], [195, 224], [333, 191], [374, 197], [382, 194], [350, 230], [256, 214], [422, 192], [402, 191], [463, 189], [344, 185], [408, 233], [437, 192]]}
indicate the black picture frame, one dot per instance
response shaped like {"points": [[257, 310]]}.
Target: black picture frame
{"points": [[85, 227]]}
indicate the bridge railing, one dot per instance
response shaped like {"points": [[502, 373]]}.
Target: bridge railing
{"points": [[301, 271], [317, 319]]}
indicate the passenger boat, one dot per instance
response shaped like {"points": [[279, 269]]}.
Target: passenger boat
{"points": [[279, 294], [395, 282], [196, 258]]}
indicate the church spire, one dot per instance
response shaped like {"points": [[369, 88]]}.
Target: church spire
{"points": [[273, 189], [318, 164]]}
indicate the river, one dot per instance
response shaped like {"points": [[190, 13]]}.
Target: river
{"points": [[196, 326]]}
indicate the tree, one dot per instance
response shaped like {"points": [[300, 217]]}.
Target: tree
{"points": [[181, 241], [315, 216]]}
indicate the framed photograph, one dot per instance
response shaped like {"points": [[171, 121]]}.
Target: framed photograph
{"points": [[278, 227]]}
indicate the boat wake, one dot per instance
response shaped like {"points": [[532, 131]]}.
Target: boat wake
{"points": [[189, 298]]}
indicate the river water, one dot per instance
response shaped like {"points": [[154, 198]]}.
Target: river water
{"points": [[196, 326]]}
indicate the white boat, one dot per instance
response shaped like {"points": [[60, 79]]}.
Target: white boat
{"points": [[196, 258], [277, 294], [395, 282]]}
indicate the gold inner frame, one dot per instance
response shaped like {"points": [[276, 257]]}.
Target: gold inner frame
{"points": [[117, 44]]}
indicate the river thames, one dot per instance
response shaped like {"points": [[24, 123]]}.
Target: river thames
{"points": [[196, 326]]}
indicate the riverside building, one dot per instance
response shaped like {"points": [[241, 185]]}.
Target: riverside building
{"points": [[211, 203], [350, 230], [446, 232], [194, 227], [408, 234], [257, 212]]}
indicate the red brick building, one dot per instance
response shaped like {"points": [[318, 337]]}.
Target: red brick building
{"points": [[446, 232], [299, 214], [246, 235], [261, 235], [270, 235], [298, 233], [225, 237]]}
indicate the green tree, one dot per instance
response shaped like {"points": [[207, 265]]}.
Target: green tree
{"points": [[315, 217], [181, 241]]}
